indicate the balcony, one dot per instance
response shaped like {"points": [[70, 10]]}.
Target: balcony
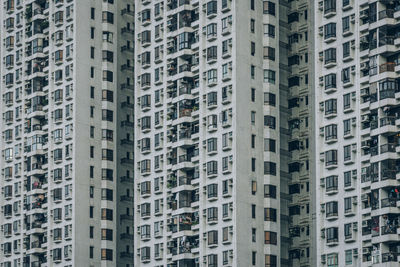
{"points": [[127, 161], [127, 124], [126, 217], [388, 13], [127, 49], [126, 236], [126, 67], [125, 86], [127, 30], [388, 203], [389, 257], [126, 104], [387, 67], [127, 179], [126, 255], [126, 199]]}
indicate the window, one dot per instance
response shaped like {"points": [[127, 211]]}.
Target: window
{"points": [[212, 260], [253, 117], [347, 179], [107, 115], [270, 238], [332, 260], [212, 190], [269, 53], [269, 145], [269, 76], [270, 121], [106, 254], [252, 71], [108, 17], [330, 55], [107, 154], [107, 234], [252, 25], [106, 194], [331, 183], [108, 76], [269, 99], [269, 30], [212, 8], [331, 209], [253, 211], [347, 204], [346, 127], [269, 168], [107, 214], [270, 214], [330, 106], [92, 13], [330, 132], [269, 8], [253, 141], [253, 164], [271, 261], [331, 157], [252, 48], [269, 191], [329, 6], [91, 191], [332, 234], [348, 253], [212, 238], [330, 30], [253, 187], [108, 56], [346, 24], [253, 257], [346, 75], [347, 153], [346, 49], [252, 4]]}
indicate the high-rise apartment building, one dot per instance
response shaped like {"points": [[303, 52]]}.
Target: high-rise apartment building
{"points": [[223, 114], [67, 133], [222, 133], [357, 132]]}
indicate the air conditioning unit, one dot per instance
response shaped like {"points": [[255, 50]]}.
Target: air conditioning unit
{"points": [[322, 182], [364, 14], [321, 30], [353, 69], [321, 80], [355, 252], [355, 226], [323, 208], [322, 233], [323, 259], [354, 174], [364, 197], [364, 39], [364, 118], [364, 92], [365, 223], [353, 18], [364, 65], [355, 200], [322, 131], [322, 156], [321, 106], [321, 5], [365, 250]]}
